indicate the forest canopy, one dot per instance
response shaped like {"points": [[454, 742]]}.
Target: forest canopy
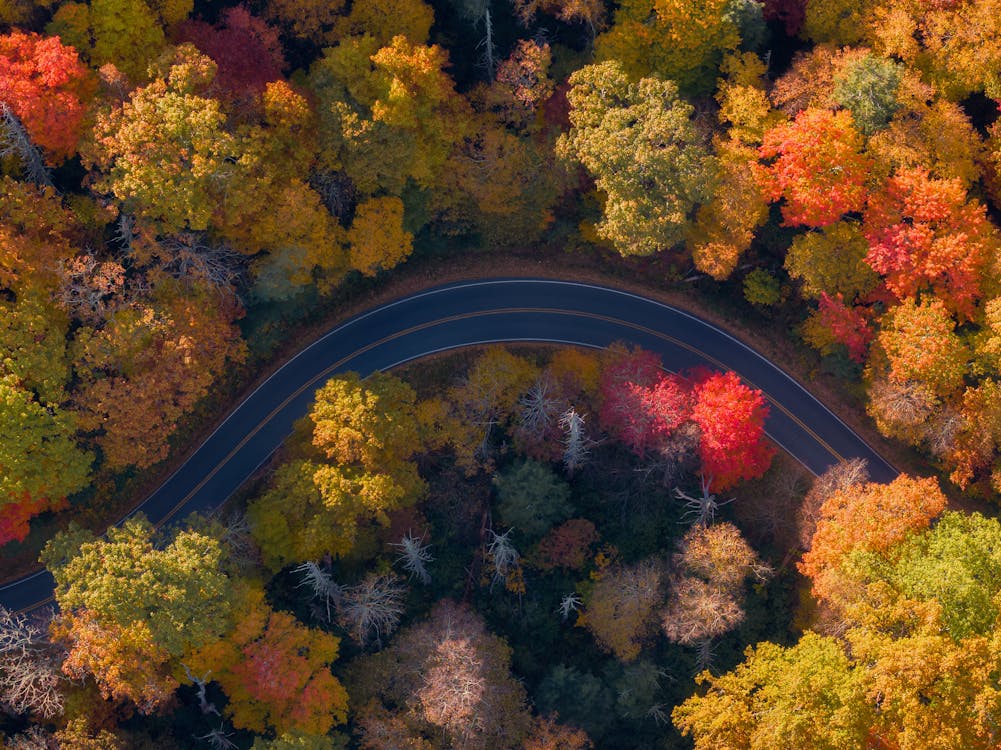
{"points": [[528, 548]]}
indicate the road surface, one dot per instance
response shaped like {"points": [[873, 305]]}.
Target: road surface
{"points": [[470, 313]]}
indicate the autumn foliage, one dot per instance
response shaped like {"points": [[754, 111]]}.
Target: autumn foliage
{"points": [[644, 407], [731, 417], [275, 672], [926, 234], [48, 87], [818, 168], [874, 517], [246, 50]]}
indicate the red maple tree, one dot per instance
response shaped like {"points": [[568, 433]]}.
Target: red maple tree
{"points": [[732, 419], [47, 86], [924, 233], [848, 324], [641, 404], [817, 166]]}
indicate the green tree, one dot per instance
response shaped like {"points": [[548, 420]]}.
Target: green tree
{"points": [[532, 498], [956, 563], [179, 592], [867, 87], [124, 33], [832, 261], [638, 142], [40, 462]]}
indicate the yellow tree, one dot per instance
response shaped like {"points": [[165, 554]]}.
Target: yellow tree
{"points": [[919, 342], [384, 19], [165, 152], [377, 240], [804, 696], [485, 398], [395, 101], [621, 610], [724, 226], [680, 41], [367, 430], [37, 234]]}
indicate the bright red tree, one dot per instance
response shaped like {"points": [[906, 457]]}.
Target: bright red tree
{"points": [[47, 87], [640, 404], [732, 419], [817, 166], [847, 324], [924, 233]]}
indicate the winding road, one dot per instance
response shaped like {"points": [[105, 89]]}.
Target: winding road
{"points": [[470, 313]]}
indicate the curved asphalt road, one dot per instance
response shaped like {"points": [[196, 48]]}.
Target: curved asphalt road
{"points": [[468, 313]]}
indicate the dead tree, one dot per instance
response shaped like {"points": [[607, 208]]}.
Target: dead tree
{"points": [[502, 554], [30, 679], [414, 556], [539, 407], [16, 143], [372, 609], [321, 585], [576, 442], [701, 510], [201, 683]]}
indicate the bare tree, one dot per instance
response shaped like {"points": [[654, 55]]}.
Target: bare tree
{"points": [[705, 655], [942, 429], [201, 683], [30, 679], [569, 603], [189, 256], [238, 539], [322, 587], [678, 454], [901, 408], [372, 609], [503, 555], [576, 443], [414, 556], [125, 231], [15, 142], [539, 406], [219, 739], [699, 611], [701, 510]]}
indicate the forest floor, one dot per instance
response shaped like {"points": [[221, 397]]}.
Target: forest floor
{"points": [[424, 272]]}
